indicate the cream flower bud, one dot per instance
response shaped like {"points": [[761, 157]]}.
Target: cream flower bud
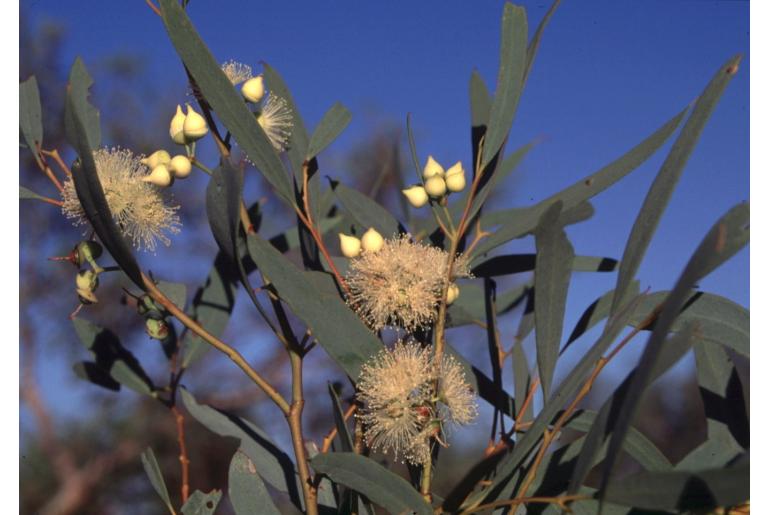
{"points": [[180, 166], [176, 129], [194, 125], [159, 157], [372, 241], [254, 89], [160, 176], [455, 178], [452, 293], [350, 246], [435, 186], [416, 195], [432, 168]]}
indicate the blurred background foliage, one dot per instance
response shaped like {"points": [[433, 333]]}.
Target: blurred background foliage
{"points": [[80, 445]]}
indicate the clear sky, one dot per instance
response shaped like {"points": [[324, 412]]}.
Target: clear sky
{"points": [[608, 73]]}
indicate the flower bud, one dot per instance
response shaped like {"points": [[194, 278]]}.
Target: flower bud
{"points": [[157, 329], [253, 89], [432, 168], [176, 129], [194, 125], [372, 241], [180, 166], [87, 280], [350, 246], [145, 304], [435, 186], [159, 157], [452, 293], [416, 195], [455, 178], [86, 252], [160, 176]]}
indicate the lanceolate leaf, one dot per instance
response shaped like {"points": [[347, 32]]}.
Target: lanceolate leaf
{"points": [[534, 43], [481, 103], [552, 276], [314, 299], [513, 52], [28, 194], [201, 503], [223, 98], [343, 434], [367, 212], [331, 125], [724, 239], [272, 464], [30, 116], [246, 489], [152, 469], [518, 263], [683, 492], [663, 186], [112, 357], [517, 222], [371, 479], [469, 306], [81, 127]]}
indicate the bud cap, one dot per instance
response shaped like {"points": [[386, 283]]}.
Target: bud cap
{"points": [[160, 176], [416, 195], [350, 246], [432, 168], [176, 128], [253, 89], [435, 186], [180, 166], [159, 157], [452, 293], [372, 241], [194, 125]]}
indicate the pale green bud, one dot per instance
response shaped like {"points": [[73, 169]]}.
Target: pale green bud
{"points": [[157, 329], [194, 125], [432, 168], [180, 166], [350, 246], [253, 89], [435, 186], [416, 195], [455, 178], [452, 293], [176, 128], [372, 241], [160, 176], [159, 157]]}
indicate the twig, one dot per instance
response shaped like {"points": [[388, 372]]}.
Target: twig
{"points": [[152, 6], [183, 459], [298, 442], [561, 501]]}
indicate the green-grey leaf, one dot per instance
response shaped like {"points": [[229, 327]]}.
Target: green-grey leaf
{"points": [[534, 43], [152, 469], [30, 114], [78, 119], [552, 277], [331, 125], [518, 263], [513, 51], [200, 503], [367, 212], [224, 99], [91, 372], [314, 299], [343, 433], [273, 465], [246, 489], [28, 194], [670, 171], [725, 238], [469, 307], [371, 479], [176, 292], [112, 357], [682, 491], [721, 320]]}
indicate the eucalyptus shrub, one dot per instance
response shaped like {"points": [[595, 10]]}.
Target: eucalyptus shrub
{"points": [[381, 296]]}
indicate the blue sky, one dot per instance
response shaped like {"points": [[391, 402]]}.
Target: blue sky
{"points": [[608, 73]]}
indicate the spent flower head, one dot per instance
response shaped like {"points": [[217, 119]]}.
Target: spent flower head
{"points": [[138, 208], [236, 72], [400, 413], [401, 284]]}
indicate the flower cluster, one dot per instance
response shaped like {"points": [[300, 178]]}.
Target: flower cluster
{"points": [[137, 207], [401, 283], [400, 413]]}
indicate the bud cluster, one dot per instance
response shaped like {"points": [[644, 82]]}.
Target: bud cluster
{"points": [[437, 183]]}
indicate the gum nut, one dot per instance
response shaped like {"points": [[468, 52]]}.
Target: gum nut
{"points": [[180, 166], [176, 128], [160, 176], [432, 168], [253, 89], [87, 280], [156, 329], [416, 195], [350, 246], [194, 125], [372, 241], [159, 157], [452, 293], [435, 186], [456, 181]]}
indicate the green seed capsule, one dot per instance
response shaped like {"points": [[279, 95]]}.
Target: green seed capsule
{"points": [[157, 329]]}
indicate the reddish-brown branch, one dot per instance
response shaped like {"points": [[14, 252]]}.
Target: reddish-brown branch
{"points": [[153, 7], [183, 459]]}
